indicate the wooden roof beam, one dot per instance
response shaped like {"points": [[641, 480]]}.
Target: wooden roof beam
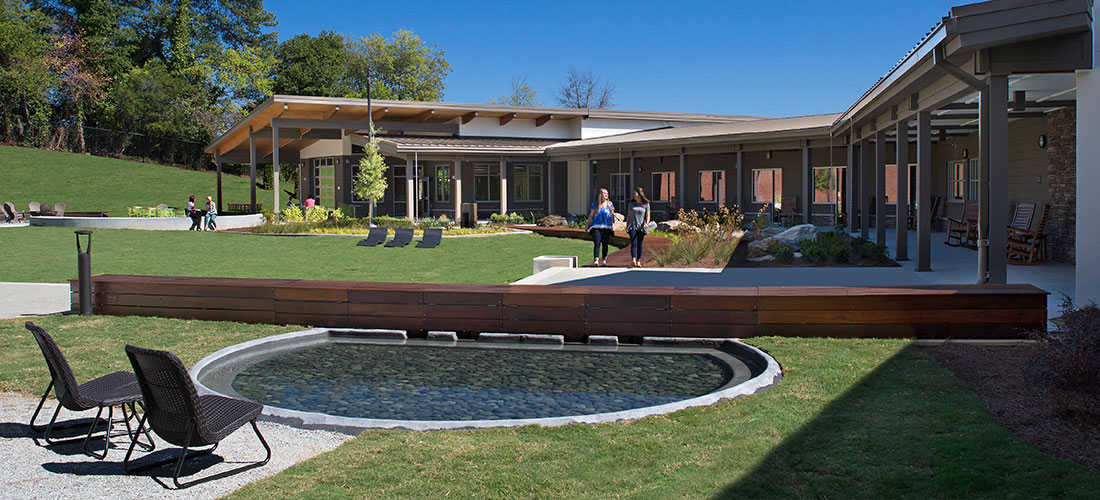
{"points": [[378, 113], [328, 115], [469, 117], [507, 118], [543, 120], [423, 117]]}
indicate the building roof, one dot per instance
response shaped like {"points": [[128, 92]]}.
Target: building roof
{"points": [[430, 144], [775, 128]]}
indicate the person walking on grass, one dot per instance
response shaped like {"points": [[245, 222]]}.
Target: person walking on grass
{"points": [[195, 215], [601, 218], [637, 225], [211, 214]]}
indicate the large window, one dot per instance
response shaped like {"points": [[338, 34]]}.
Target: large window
{"points": [[827, 184], [324, 181], [664, 186], [712, 187], [962, 180], [487, 182], [400, 189], [528, 182], [443, 183], [767, 185]]}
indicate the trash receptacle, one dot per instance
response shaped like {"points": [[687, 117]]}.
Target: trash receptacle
{"points": [[469, 215]]}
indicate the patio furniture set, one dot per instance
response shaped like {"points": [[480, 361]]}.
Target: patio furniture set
{"points": [[401, 238], [33, 209], [162, 388], [1026, 242]]}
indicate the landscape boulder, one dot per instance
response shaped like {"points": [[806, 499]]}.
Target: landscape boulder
{"points": [[552, 221], [676, 226], [792, 236]]}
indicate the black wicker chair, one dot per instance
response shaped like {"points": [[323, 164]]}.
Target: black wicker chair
{"points": [[117, 389], [176, 412]]}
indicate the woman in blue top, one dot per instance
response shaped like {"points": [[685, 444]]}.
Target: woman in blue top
{"points": [[601, 218]]}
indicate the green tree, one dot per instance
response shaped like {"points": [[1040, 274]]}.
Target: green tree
{"points": [[402, 67], [179, 39], [25, 76], [522, 94], [155, 101], [370, 181], [315, 66]]}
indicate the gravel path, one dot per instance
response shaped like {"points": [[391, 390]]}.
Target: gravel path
{"points": [[63, 471]]}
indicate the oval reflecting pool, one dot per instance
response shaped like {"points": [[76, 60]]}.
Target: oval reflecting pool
{"points": [[420, 380]]}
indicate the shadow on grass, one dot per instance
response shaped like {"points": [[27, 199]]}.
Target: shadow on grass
{"points": [[908, 429]]}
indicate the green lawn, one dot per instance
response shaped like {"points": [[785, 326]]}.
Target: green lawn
{"points": [[91, 183], [850, 419], [47, 254]]}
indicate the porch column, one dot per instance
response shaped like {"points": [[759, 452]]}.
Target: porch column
{"points": [[549, 191], [880, 187], [630, 188], [218, 167], [995, 238], [924, 191], [1087, 267], [682, 181], [252, 169], [807, 184], [275, 166], [503, 187], [850, 194], [456, 190], [901, 245], [740, 180], [864, 204], [410, 193]]}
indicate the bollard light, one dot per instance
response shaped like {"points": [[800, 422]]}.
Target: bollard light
{"points": [[84, 271]]}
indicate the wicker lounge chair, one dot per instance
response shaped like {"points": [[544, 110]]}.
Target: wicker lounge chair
{"points": [[432, 237], [117, 389], [964, 230], [375, 237], [176, 413], [401, 237]]}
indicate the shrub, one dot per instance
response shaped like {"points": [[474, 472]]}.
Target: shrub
{"points": [[814, 251], [269, 217], [792, 221], [1068, 359], [761, 221], [783, 252], [441, 222], [316, 213], [389, 222], [868, 249], [512, 218], [292, 214], [723, 221], [723, 250]]}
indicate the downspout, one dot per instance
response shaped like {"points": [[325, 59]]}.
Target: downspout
{"points": [[940, 61]]}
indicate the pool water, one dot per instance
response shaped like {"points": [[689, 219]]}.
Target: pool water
{"points": [[477, 382]]}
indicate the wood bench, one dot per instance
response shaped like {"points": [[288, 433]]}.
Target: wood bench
{"points": [[930, 311], [243, 207]]}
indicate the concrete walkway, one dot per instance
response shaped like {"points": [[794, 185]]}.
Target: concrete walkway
{"points": [[33, 299]]}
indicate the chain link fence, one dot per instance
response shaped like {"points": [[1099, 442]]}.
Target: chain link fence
{"points": [[142, 147]]}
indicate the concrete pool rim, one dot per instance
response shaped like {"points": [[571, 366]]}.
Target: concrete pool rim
{"points": [[764, 373]]}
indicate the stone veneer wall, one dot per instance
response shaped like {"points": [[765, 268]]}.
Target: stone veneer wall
{"points": [[1062, 184]]}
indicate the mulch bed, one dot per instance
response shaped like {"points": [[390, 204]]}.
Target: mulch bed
{"points": [[1014, 397]]}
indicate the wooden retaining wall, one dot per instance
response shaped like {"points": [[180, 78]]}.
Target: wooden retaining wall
{"points": [[934, 311]]}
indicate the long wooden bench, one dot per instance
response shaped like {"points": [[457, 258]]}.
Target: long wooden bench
{"points": [[934, 311]]}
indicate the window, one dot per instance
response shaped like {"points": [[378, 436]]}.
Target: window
{"points": [[962, 180], [664, 186], [528, 182], [619, 191], [324, 181], [767, 185], [712, 186], [487, 182], [827, 184], [400, 190], [443, 183]]}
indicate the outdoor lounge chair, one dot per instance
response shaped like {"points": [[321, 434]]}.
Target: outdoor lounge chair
{"points": [[11, 214], [33, 208], [59, 209], [1021, 217], [401, 238], [376, 236], [964, 230], [117, 389], [176, 413], [432, 237], [1029, 246]]}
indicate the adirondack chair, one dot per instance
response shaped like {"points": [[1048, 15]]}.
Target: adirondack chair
{"points": [[59, 209], [788, 208], [1029, 246], [964, 230], [33, 208], [1021, 217], [912, 218], [11, 214]]}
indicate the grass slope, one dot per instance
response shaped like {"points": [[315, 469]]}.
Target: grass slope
{"points": [[852, 418], [87, 183], [47, 254]]}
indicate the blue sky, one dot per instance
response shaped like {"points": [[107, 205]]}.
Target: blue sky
{"points": [[768, 58]]}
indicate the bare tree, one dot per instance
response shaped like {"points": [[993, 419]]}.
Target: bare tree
{"points": [[582, 89]]}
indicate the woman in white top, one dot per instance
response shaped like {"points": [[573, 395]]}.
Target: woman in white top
{"points": [[211, 214]]}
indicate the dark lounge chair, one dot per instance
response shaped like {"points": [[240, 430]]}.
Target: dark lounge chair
{"points": [[401, 237], [376, 236], [117, 389], [432, 237], [176, 413], [11, 214]]}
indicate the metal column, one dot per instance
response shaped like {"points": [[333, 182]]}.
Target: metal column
{"points": [[275, 166], [503, 187], [864, 204], [901, 244], [880, 187], [807, 184], [996, 209], [924, 191], [252, 169]]}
